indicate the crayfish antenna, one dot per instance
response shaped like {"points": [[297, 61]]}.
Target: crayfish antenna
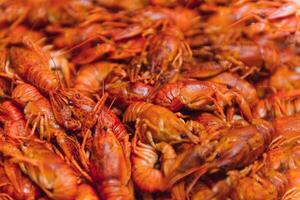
{"points": [[57, 74], [97, 36], [200, 171], [112, 103], [66, 68], [100, 103]]}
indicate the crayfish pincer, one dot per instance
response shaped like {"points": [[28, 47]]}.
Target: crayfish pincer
{"points": [[238, 148], [158, 124]]}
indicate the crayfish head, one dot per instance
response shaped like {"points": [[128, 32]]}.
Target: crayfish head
{"points": [[74, 98], [62, 110]]}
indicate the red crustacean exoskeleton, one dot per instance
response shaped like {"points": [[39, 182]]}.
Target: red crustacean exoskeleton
{"points": [[285, 18], [266, 184], [15, 183], [91, 54], [15, 12], [284, 79], [283, 158], [116, 51], [75, 111], [13, 120], [128, 49], [4, 83], [166, 49], [248, 52], [38, 112], [206, 69], [150, 99], [237, 185], [255, 187], [196, 95], [107, 119], [287, 125], [270, 177], [293, 185], [33, 67], [185, 19], [124, 5], [242, 86], [73, 153], [144, 158], [15, 35], [283, 153], [86, 192], [91, 78], [108, 166], [71, 108], [238, 148], [158, 124], [37, 109], [279, 104], [211, 122], [110, 120], [253, 182], [39, 65], [146, 19], [267, 23], [70, 36], [129, 92], [44, 167]]}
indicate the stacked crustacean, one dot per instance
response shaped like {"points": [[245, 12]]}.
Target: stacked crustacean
{"points": [[150, 99]]}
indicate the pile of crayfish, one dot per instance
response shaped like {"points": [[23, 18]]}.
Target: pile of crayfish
{"points": [[149, 99]]}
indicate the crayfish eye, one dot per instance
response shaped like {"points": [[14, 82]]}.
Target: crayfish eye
{"points": [[218, 155], [71, 102], [183, 136]]}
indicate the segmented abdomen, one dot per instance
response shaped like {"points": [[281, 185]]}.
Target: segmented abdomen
{"points": [[33, 68], [24, 93], [134, 110], [11, 111]]}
